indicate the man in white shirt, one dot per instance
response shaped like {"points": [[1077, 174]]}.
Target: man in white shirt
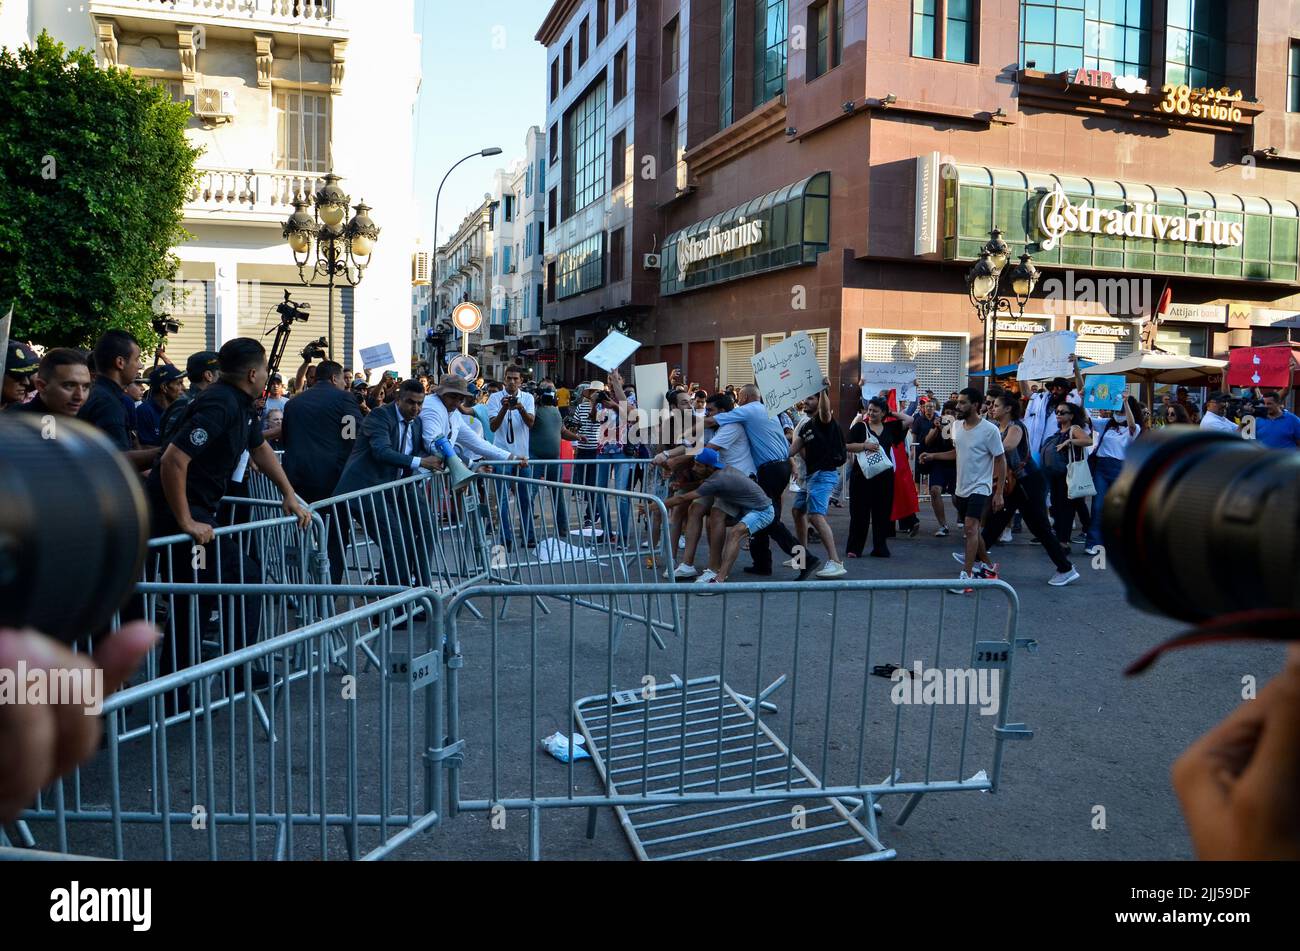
{"points": [[981, 474], [441, 419], [512, 413], [1215, 405]]}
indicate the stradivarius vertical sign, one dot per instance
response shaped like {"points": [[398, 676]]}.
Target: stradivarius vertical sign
{"points": [[927, 204]]}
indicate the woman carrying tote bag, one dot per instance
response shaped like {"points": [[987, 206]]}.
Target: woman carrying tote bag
{"points": [[1072, 434], [871, 485]]}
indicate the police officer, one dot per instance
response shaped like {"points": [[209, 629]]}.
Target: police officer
{"points": [[186, 487], [117, 363], [21, 362], [202, 370], [62, 384], [164, 390]]}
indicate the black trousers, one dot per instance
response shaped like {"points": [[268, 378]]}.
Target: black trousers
{"points": [[1027, 500], [398, 527], [1064, 509], [773, 478], [870, 504]]}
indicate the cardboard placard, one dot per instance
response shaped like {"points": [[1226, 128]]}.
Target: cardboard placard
{"points": [[651, 381], [1103, 392], [611, 352], [787, 373], [899, 376], [376, 357], [1047, 356]]}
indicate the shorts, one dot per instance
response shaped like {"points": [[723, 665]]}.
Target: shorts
{"points": [[758, 519], [971, 506], [942, 474], [815, 497]]}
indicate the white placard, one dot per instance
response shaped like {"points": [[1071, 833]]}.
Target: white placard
{"points": [[899, 376], [612, 351], [381, 355], [1047, 356], [787, 373], [651, 381]]}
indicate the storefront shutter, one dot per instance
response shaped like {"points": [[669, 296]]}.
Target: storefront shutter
{"points": [[822, 341], [771, 340], [737, 369], [198, 323], [940, 361], [258, 319]]}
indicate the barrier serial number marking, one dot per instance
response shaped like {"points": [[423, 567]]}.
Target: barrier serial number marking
{"points": [[418, 673], [992, 654]]}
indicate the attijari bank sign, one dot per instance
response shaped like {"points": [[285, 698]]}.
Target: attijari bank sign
{"points": [[1058, 216]]}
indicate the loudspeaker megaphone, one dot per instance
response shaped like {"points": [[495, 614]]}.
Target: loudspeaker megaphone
{"points": [[460, 473]]}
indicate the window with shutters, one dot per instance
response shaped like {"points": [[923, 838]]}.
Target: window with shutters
{"points": [[771, 340], [736, 368], [194, 307], [822, 341], [302, 131], [941, 359]]}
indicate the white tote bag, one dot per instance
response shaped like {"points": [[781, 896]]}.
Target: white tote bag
{"points": [[1078, 477], [874, 463]]}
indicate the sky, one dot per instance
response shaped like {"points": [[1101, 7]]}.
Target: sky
{"points": [[484, 84]]}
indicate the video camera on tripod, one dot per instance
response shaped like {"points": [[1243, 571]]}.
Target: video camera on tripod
{"points": [[164, 326], [290, 313]]}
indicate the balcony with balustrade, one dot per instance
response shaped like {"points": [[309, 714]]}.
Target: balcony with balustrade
{"points": [[298, 19], [229, 196]]}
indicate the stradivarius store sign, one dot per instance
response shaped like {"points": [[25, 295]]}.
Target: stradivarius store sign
{"points": [[717, 242], [1058, 216]]}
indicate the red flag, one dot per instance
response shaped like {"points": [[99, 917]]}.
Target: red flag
{"points": [[1260, 366]]}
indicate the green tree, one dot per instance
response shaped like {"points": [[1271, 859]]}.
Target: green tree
{"points": [[94, 170]]}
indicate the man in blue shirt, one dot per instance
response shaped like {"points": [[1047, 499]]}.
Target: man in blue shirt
{"points": [[771, 452], [1277, 428]]}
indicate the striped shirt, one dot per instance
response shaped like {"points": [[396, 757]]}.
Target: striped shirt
{"points": [[586, 425]]}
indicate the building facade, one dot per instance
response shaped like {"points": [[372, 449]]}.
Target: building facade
{"points": [[281, 92], [835, 167]]}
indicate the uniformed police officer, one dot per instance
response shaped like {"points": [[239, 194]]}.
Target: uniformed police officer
{"points": [[117, 364], [187, 485], [202, 368], [21, 362], [164, 390]]}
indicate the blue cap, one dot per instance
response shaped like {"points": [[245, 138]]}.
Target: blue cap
{"points": [[709, 457]]}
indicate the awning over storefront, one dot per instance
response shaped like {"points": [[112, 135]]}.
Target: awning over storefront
{"points": [[1110, 225], [784, 228]]}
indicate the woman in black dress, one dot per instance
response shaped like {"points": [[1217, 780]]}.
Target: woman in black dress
{"points": [[871, 500]]}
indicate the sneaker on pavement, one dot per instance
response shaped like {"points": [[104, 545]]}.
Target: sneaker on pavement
{"points": [[685, 571], [1093, 550], [961, 577], [707, 576], [810, 567], [1081, 538], [1062, 578], [942, 532], [706, 587], [832, 569], [1006, 537], [959, 557], [984, 570]]}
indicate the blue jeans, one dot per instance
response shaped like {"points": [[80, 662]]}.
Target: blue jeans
{"points": [[524, 498], [553, 473], [1104, 474], [622, 479]]}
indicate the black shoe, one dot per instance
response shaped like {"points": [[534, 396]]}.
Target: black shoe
{"points": [[880, 554], [761, 572], [807, 572], [260, 679]]}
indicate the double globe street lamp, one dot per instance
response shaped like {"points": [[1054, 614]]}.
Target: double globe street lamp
{"points": [[983, 283], [342, 247]]}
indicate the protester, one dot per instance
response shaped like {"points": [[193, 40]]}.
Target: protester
{"points": [[117, 362], [981, 475], [1215, 416], [440, 419], [62, 384], [275, 398], [701, 404], [544, 447], [870, 499], [1041, 409], [1025, 491], [739, 509], [21, 362], [1278, 428], [512, 413], [1111, 442], [821, 444], [1174, 414], [165, 387], [928, 430], [1069, 443], [586, 422]]}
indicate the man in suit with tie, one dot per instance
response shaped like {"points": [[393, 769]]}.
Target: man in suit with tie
{"points": [[319, 431], [389, 447]]}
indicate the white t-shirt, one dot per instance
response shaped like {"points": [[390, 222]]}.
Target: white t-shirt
{"points": [[513, 424], [733, 447], [1111, 441], [977, 447], [1216, 422]]}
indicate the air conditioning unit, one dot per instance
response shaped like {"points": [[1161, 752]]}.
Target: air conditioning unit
{"points": [[420, 262], [650, 262], [513, 269], [212, 103]]}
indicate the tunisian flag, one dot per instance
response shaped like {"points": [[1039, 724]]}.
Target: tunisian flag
{"points": [[1260, 366]]}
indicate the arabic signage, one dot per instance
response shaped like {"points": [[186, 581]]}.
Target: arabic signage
{"points": [[787, 372], [1058, 216], [1202, 103]]}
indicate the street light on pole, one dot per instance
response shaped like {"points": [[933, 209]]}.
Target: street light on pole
{"points": [[982, 285], [340, 244], [482, 153]]}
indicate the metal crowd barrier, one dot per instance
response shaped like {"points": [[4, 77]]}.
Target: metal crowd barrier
{"points": [[690, 746], [356, 752]]}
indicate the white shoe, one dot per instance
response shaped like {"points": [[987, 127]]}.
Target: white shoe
{"points": [[1061, 579], [961, 577], [832, 569], [685, 571], [668, 573], [959, 557], [942, 532], [1006, 537], [709, 575], [1093, 550]]}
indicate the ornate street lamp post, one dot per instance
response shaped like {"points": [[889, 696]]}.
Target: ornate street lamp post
{"points": [[342, 248], [983, 283]]}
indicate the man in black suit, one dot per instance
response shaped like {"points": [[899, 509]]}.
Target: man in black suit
{"points": [[319, 431], [389, 447]]}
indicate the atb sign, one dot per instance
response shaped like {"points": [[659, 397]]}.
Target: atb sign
{"points": [[787, 373]]}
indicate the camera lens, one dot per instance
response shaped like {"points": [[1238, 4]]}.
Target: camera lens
{"points": [[73, 528], [1190, 504]]}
